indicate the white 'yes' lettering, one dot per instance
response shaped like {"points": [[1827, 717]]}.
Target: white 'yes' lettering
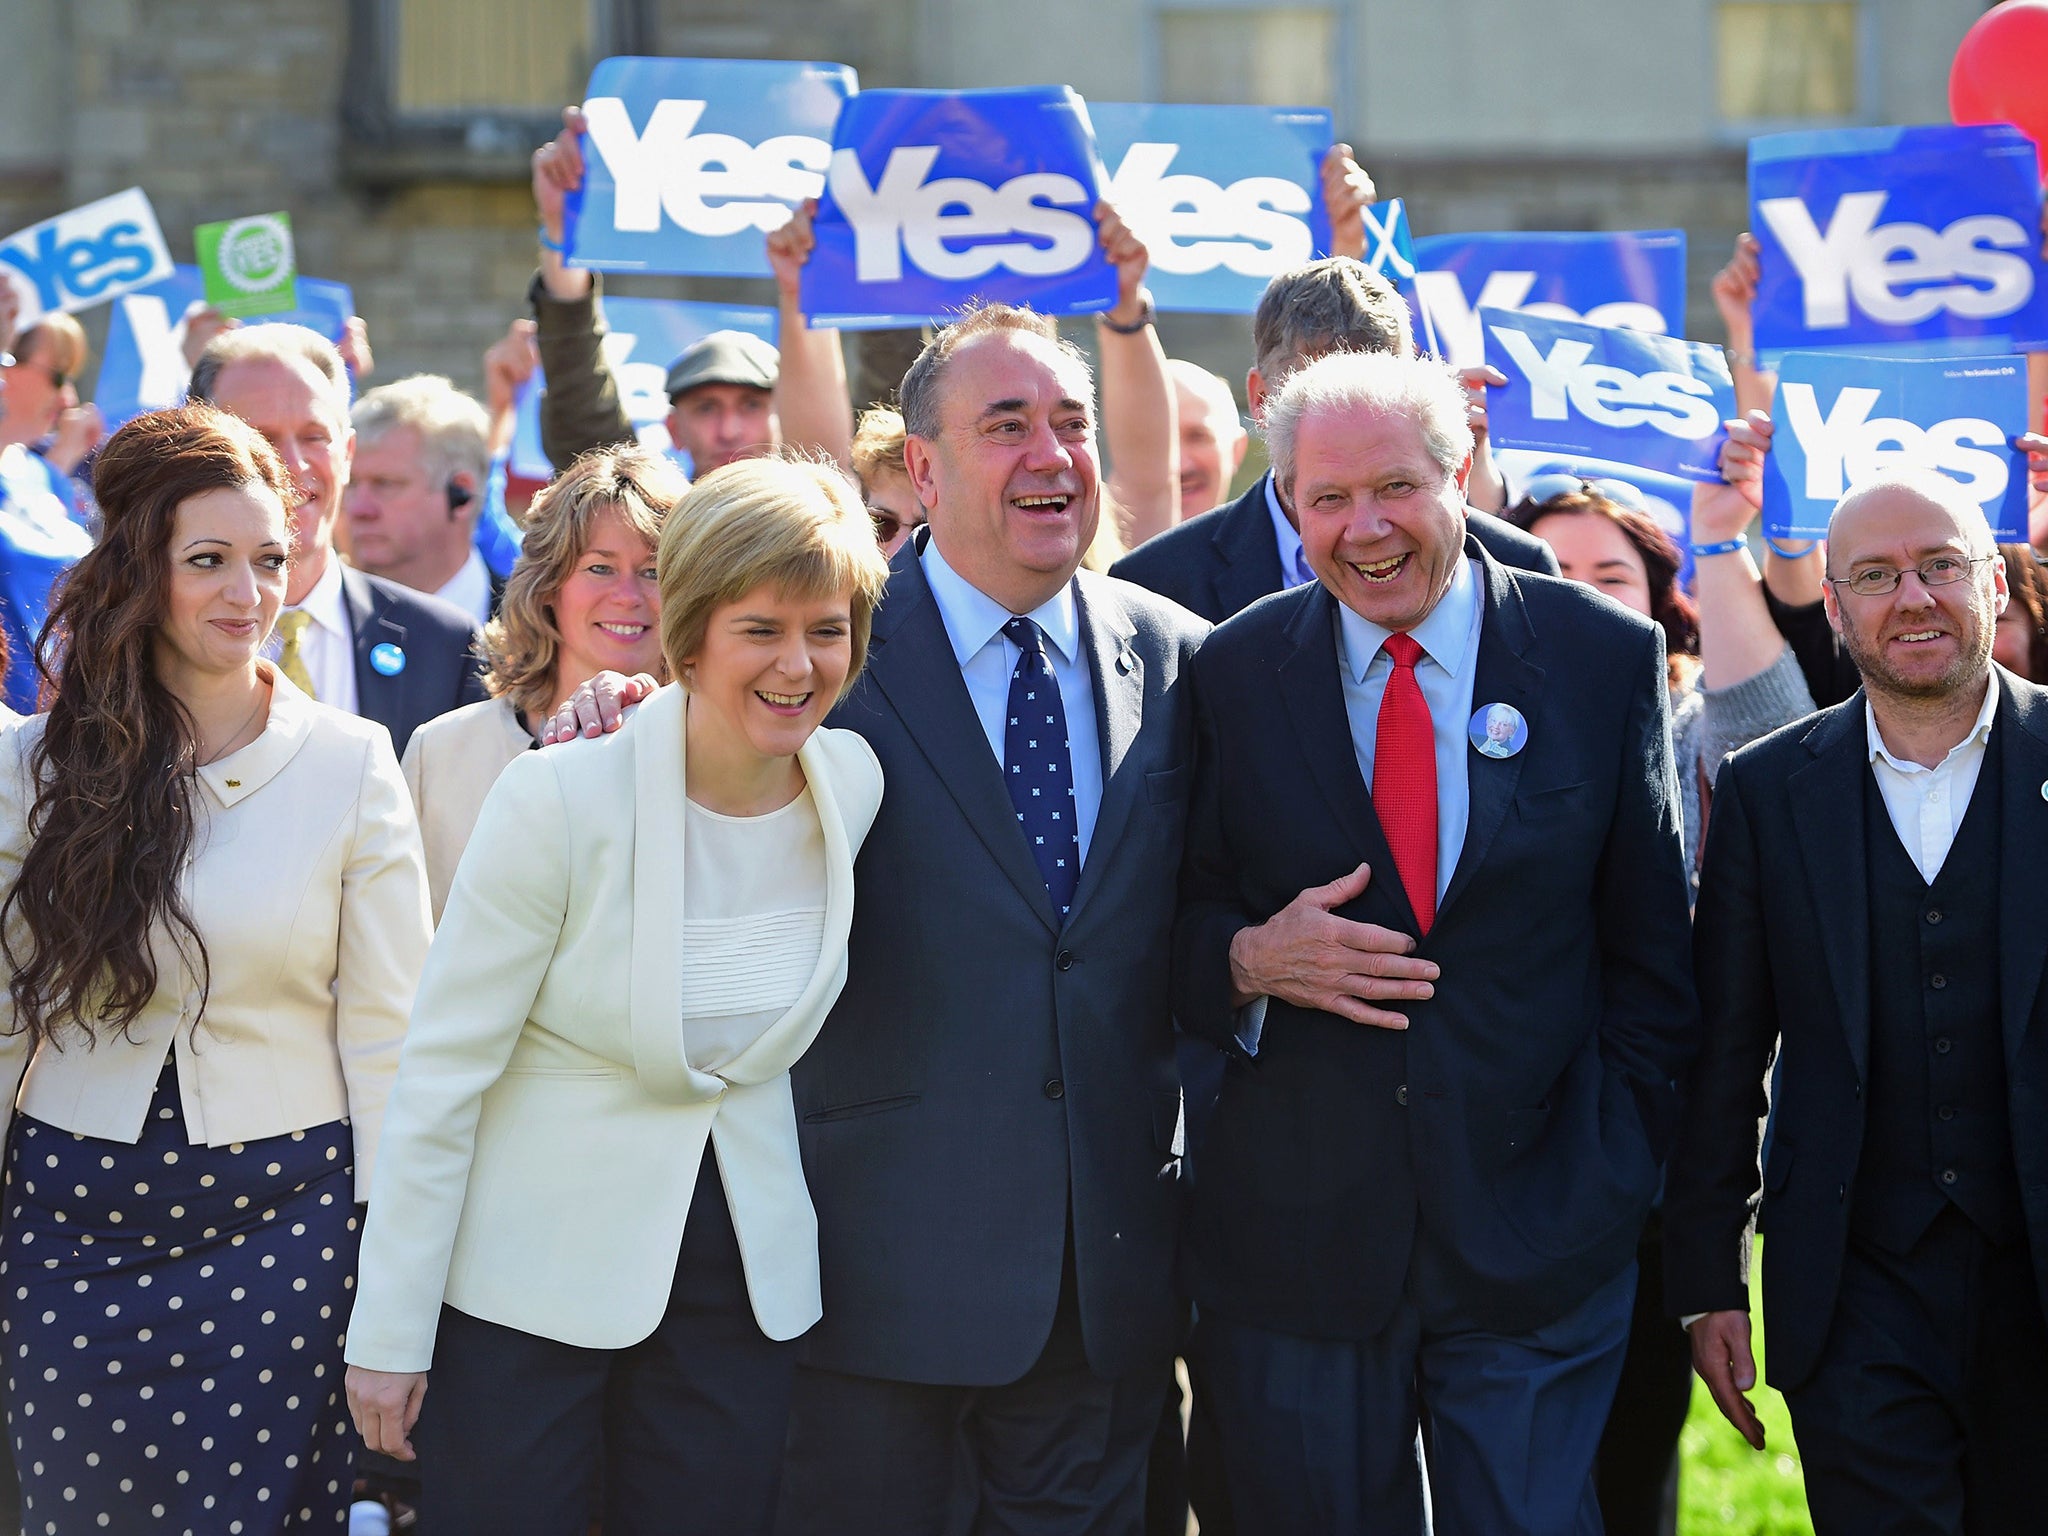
{"points": [[1676, 404], [1848, 445], [1456, 323], [902, 214], [708, 183], [1192, 225]]}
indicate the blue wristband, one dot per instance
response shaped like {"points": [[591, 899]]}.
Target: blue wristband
{"points": [[1796, 553], [1725, 547], [560, 248]]}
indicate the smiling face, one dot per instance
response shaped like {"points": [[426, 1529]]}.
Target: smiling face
{"points": [[293, 405], [608, 611], [1591, 548], [717, 423], [770, 668], [226, 583], [1382, 523], [1917, 642], [1010, 482]]}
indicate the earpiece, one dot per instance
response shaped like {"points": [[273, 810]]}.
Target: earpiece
{"points": [[459, 495]]}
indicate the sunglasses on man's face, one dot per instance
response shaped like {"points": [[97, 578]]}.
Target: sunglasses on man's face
{"points": [[58, 377], [888, 525]]}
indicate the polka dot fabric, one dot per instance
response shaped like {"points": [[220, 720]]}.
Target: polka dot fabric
{"points": [[172, 1317]]}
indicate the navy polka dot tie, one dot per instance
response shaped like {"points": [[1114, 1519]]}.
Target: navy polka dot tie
{"points": [[1038, 765]]}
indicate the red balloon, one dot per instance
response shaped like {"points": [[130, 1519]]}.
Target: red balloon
{"points": [[2000, 74]]}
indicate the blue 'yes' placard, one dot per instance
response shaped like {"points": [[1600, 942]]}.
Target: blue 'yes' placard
{"points": [[689, 163], [1607, 393], [1634, 279], [144, 367], [1842, 420], [643, 336], [1890, 235], [85, 256], [936, 198], [1225, 198]]}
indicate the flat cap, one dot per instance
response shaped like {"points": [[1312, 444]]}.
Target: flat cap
{"points": [[725, 357]]}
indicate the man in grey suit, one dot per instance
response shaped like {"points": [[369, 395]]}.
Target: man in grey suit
{"points": [[990, 1117]]}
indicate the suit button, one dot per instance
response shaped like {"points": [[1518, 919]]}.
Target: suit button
{"points": [[1055, 1089], [1934, 914], [1947, 1111], [1859, 1090], [1065, 960], [1937, 981], [1401, 1094], [1948, 1175], [1941, 1046], [1841, 1192]]}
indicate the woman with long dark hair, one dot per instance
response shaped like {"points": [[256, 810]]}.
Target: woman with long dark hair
{"points": [[215, 914]]}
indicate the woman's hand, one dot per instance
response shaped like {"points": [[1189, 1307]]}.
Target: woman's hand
{"points": [[385, 1406]]}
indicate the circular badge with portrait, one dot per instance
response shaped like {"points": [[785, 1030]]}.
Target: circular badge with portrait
{"points": [[1497, 730]]}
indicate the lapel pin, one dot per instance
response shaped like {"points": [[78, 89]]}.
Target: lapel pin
{"points": [[1498, 730], [2044, 789], [237, 784], [387, 660]]}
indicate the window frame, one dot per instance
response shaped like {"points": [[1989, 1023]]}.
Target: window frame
{"points": [[1740, 130], [1343, 86]]}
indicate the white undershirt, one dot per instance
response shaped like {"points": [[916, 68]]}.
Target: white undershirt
{"points": [[753, 923], [1927, 805], [470, 588]]}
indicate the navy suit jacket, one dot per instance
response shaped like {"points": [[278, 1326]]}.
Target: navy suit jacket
{"points": [[440, 649], [1222, 562], [1783, 957], [992, 1084], [1522, 1116]]}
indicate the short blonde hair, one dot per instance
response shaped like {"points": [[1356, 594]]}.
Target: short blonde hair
{"points": [[878, 443], [61, 336], [790, 522], [454, 432], [522, 644]]}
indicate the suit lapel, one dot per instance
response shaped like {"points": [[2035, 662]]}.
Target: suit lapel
{"points": [[2022, 908], [1314, 697], [912, 665], [1249, 557], [1118, 675], [1827, 798], [378, 697], [1503, 674]]}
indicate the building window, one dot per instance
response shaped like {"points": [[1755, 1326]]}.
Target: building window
{"points": [[1788, 60], [1281, 56]]}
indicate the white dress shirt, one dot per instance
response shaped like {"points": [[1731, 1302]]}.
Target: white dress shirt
{"points": [[1927, 804], [974, 623], [1294, 566], [328, 646], [470, 588]]}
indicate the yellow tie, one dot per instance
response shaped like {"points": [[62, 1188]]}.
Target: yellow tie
{"points": [[291, 661]]}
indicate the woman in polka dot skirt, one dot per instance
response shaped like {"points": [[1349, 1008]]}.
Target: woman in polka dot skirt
{"points": [[215, 915]]}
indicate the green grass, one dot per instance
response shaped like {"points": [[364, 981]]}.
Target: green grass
{"points": [[1727, 1489]]}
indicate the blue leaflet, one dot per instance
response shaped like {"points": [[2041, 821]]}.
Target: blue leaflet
{"points": [[689, 163], [935, 198], [1224, 198], [1633, 279], [1897, 235], [144, 367], [645, 336], [1607, 393], [1842, 420]]}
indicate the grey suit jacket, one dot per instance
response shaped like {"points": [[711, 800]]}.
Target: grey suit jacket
{"points": [[990, 1078]]}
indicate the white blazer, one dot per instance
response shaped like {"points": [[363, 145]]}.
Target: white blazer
{"points": [[547, 1127], [307, 886], [450, 765]]}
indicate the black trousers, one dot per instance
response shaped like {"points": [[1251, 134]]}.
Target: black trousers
{"points": [[685, 1428], [1637, 1469], [1059, 1452], [1928, 1411]]}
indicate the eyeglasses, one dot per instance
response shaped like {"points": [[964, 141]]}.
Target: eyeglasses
{"points": [[1941, 571], [1549, 487], [888, 525], [58, 377]]}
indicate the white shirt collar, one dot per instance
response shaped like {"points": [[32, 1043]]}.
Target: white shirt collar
{"points": [[470, 588], [1294, 569], [1445, 632], [326, 605], [973, 618], [1980, 733]]}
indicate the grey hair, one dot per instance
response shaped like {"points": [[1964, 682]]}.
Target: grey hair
{"points": [[919, 394], [1417, 387], [454, 432], [1930, 485], [1333, 305], [274, 342]]}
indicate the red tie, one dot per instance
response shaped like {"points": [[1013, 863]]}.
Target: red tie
{"points": [[1404, 779]]}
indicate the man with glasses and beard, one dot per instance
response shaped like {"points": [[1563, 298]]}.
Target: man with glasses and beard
{"points": [[1870, 910]]}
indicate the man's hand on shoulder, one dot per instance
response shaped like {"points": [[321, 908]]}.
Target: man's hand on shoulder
{"points": [[597, 706], [1307, 955]]}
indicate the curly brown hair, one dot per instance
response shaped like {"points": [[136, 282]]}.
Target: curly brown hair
{"points": [[111, 825], [1670, 605]]}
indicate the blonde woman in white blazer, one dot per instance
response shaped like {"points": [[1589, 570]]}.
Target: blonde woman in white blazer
{"points": [[215, 915], [582, 599], [592, 1222]]}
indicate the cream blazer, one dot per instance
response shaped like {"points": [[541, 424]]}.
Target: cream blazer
{"points": [[450, 765], [308, 888], [547, 1127]]}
